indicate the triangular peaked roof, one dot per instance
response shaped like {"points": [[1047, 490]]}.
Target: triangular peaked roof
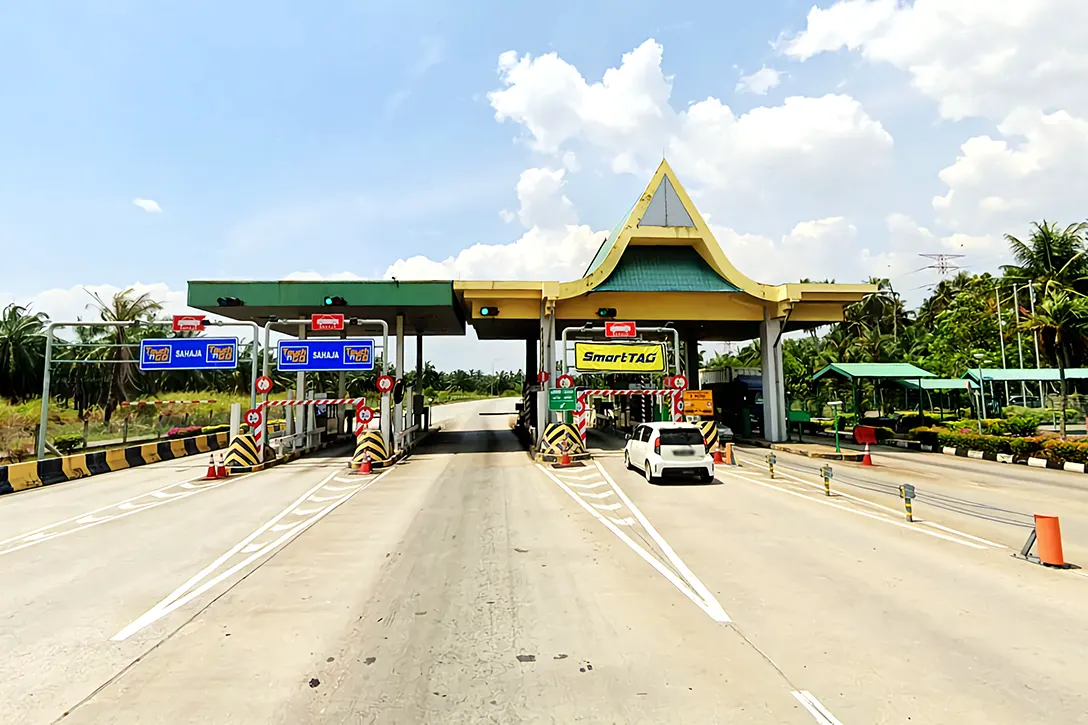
{"points": [[663, 216]]}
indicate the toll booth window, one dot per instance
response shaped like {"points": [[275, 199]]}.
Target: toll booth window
{"points": [[681, 437]]}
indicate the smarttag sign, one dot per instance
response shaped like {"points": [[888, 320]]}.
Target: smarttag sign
{"points": [[189, 353], [618, 357], [325, 355]]}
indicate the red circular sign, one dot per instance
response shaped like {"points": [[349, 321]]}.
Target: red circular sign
{"points": [[565, 381], [542, 377], [385, 383], [364, 415], [263, 384], [679, 382], [253, 417], [580, 407]]}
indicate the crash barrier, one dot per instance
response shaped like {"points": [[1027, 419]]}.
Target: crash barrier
{"points": [[582, 411], [243, 452], [560, 438], [709, 429], [48, 471], [371, 443], [300, 402]]}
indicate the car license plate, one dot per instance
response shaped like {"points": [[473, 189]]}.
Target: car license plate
{"points": [[684, 451]]}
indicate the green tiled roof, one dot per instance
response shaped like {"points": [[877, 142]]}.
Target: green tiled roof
{"points": [[664, 269], [887, 371]]}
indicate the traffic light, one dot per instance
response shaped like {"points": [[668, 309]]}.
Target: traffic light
{"points": [[229, 302], [606, 312], [335, 301], [489, 312]]}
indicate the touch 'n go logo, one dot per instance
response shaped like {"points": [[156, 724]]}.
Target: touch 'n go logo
{"points": [[357, 355], [157, 353], [220, 353], [295, 355]]}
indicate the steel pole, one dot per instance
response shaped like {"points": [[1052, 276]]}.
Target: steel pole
{"points": [[1019, 343], [1035, 337], [1001, 339]]}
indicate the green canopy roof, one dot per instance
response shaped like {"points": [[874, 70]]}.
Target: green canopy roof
{"points": [[886, 371], [664, 269], [939, 384], [1030, 375]]}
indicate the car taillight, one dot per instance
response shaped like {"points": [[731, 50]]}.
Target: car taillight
{"points": [[657, 445]]}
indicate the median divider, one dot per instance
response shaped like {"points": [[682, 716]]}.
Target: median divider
{"points": [[560, 439]]}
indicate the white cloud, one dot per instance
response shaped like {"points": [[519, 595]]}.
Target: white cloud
{"points": [[149, 205], [974, 57], [627, 119], [996, 184], [555, 246], [815, 249], [76, 303], [759, 82]]}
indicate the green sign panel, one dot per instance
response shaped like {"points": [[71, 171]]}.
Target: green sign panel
{"points": [[562, 399]]}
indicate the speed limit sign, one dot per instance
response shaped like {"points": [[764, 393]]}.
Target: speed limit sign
{"points": [[385, 383], [253, 417], [364, 415], [565, 381], [679, 382], [263, 385]]}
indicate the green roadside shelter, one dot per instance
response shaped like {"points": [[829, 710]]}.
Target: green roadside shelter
{"points": [[874, 371]]}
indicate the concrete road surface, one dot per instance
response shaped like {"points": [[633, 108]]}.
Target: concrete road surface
{"points": [[468, 585]]}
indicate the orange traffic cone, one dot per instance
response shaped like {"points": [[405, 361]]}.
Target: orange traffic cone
{"points": [[868, 459], [213, 473], [718, 460], [222, 471], [564, 460], [364, 466]]}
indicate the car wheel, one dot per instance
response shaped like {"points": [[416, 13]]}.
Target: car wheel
{"points": [[648, 472], [627, 461], [707, 477]]}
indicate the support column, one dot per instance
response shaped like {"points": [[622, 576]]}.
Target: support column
{"points": [[398, 408], [541, 394], [530, 364], [418, 388], [300, 387], [691, 362], [774, 389], [341, 392]]}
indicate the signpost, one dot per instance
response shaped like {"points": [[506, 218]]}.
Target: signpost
{"points": [[563, 400], [364, 415], [678, 382], [263, 385], [253, 418], [698, 402], [385, 383], [327, 322], [189, 353], [565, 381], [188, 323], [325, 355], [620, 329]]}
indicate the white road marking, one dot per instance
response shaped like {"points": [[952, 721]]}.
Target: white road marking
{"points": [[607, 506], [627, 521], [306, 512], [680, 584], [866, 514], [114, 512], [602, 494], [598, 484], [341, 479], [896, 512], [681, 567], [818, 711], [202, 581], [322, 499], [578, 476]]}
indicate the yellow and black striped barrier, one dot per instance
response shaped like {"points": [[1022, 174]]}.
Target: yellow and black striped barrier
{"points": [[46, 472], [709, 429], [372, 442], [558, 436], [243, 454]]}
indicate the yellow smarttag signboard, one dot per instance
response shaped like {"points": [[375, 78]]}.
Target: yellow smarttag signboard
{"points": [[615, 357]]}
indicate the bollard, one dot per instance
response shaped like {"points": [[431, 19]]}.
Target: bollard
{"points": [[827, 473], [906, 492], [771, 460], [1049, 535]]}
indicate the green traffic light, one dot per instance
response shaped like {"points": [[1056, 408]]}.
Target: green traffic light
{"points": [[328, 301]]}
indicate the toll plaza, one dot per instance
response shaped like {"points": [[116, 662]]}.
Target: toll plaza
{"points": [[659, 285]]}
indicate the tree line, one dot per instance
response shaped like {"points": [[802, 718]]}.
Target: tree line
{"points": [[107, 372]]}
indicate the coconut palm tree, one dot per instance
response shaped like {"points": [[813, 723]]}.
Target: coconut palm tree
{"points": [[22, 351], [123, 307], [1052, 256], [1061, 319]]}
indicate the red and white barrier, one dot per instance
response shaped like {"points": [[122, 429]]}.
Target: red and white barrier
{"points": [[581, 418], [301, 402], [142, 403]]}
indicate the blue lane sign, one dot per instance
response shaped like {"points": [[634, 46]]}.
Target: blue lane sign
{"points": [[325, 355], [189, 353]]}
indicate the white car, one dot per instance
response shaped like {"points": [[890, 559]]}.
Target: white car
{"points": [[662, 450]]}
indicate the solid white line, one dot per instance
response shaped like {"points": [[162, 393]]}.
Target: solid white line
{"points": [[957, 532], [817, 710], [859, 513], [650, 559], [681, 567], [179, 597]]}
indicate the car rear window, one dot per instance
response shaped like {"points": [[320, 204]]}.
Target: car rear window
{"points": [[681, 437]]}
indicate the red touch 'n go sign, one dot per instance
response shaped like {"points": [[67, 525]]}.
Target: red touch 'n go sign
{"points": [[327, 322], [188, 323], [620, 329]]}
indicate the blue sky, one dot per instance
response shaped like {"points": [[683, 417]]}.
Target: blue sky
{"points": [[280, 139]]}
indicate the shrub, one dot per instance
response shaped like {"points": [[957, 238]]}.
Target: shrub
{"points": [[1025, 447], [68, 443], [926, 436], [883, 434], [995, 427], [183, 431], [215, 428], [1021, 425], [974, 442], [910, 422], [1061, 451]]}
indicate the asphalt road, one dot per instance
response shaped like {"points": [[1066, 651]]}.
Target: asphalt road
{"points": [[468, 585]]}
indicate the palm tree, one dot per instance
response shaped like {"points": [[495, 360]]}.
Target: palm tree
{"points": [[1061, 319], [22, 351], [1051, 256], [123, 307]]}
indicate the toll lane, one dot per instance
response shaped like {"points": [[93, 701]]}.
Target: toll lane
{"points": [[881, 619], [66, 595], [463, 586]]}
